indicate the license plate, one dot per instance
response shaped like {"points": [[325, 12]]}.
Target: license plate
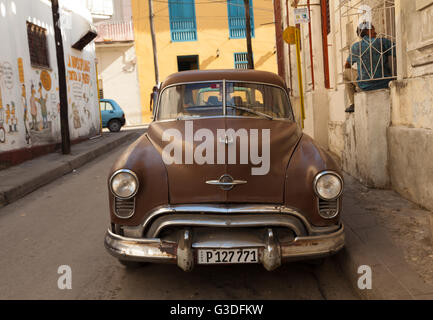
{"points": [[215, 256]]}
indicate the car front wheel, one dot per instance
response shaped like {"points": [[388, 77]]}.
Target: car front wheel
{"points": [[114, 125]]}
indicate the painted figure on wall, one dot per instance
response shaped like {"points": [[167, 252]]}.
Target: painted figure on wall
{"points": [[43, 103], [2, 120], [8, 117], [76, 116], [33, 109], [24, 103], [13, 122]]}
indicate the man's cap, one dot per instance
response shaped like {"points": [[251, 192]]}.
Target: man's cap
{"points": [[365, 25]]}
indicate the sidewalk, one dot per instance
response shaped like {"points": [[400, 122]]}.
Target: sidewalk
{"points": [[391, 235], [20, 180]]}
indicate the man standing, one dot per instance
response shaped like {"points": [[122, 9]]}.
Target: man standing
{"points": [[153, 97], [374, 59]]}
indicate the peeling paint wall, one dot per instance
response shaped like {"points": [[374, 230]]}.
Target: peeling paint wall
{"points": [[29, 95]]}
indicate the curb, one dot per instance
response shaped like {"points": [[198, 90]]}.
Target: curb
{"points": [[58, 168]]}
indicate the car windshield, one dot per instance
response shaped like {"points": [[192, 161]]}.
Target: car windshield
{"points": [[195, 100]]}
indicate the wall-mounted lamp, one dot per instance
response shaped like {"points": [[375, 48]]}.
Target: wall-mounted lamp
{"points": [[218, 53], [275, 49]]}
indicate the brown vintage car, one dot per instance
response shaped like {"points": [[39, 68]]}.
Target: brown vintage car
{"points": [[224, 175]]}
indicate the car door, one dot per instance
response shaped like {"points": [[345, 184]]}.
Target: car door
{"points": [[104, 113]]}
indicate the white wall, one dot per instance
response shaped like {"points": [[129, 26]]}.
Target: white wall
{"points": [[84, 119], [118, 71]]}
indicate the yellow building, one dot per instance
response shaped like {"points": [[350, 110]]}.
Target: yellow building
{"points": [[198, 35]]}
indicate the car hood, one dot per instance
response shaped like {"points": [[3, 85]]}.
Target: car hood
{"points": [[261, 170]]}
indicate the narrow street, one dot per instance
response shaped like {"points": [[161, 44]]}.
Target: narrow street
{"points": [[63, 223]]}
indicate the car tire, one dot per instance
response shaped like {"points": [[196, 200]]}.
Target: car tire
{"points": [[114, 125], [131, 264]]}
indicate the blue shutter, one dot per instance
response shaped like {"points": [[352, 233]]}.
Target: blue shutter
{"points": [[183, 26], [241, 60], [236, 14]]}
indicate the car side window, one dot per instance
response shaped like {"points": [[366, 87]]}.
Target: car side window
{"points": [[108, 106], [102, 105]]}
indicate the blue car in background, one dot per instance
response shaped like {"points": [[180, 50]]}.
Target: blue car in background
{"points": [[112, 115]]}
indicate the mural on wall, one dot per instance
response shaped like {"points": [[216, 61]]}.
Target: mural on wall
{"points": [[8, 111], [23, 98], [2, 119], [29, 93], [80, 90]]}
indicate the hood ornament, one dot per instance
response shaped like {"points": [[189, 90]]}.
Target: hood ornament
{"points": [[226, 182]]}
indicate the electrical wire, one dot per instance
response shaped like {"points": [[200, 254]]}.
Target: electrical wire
{"points": [[213, 2]]}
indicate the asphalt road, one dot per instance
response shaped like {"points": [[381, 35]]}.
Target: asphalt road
{"points": [[63, 223]]}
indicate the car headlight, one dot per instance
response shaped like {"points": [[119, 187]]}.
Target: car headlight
{"points": [[328, 185], [124, 184]]}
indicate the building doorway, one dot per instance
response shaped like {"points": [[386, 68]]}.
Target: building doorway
{"points": [[185, 63]]}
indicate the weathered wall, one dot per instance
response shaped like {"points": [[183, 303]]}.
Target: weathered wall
{"points": [[411, 139], [212, 35], [388, 140], [118, 70], [365, 153], [336, 123], [29, 97]]}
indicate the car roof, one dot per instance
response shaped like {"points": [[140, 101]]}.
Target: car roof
{"points": [[247, 75]]}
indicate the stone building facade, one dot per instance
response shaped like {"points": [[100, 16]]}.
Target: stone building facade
{"points": [[388, 141]]}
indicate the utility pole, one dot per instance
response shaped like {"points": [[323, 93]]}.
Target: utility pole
{"points": [[64, 122], [152, 32], [248, 34]]}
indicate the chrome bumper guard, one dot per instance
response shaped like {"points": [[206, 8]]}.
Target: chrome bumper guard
{"points": [[272, 253]]}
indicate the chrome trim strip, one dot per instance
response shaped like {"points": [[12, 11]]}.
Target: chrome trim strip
{"points": [[226, 209], [219, 183], [236, 221]]}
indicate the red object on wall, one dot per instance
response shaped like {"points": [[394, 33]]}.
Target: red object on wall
{"points": [[310, 35], [326, 29]]}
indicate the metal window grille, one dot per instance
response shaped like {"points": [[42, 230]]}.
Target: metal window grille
{"points": [[375, 57], [183, 26], [38, 46], [236, 16], [241, 60]]}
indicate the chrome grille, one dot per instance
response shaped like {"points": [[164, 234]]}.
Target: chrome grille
{"points": [[124, 208], [328, 209]]}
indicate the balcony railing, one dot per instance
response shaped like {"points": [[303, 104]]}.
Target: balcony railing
{"points": [[115, 31]]}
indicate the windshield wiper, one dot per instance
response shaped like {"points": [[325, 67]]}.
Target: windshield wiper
{"points": [[258, 113]]}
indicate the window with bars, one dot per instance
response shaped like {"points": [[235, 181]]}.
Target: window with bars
{"points": [[38, 46], [241, 60], [183, 26], [236, 16]]}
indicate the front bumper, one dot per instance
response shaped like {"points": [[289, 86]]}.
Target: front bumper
{"points": [[183, 252]]}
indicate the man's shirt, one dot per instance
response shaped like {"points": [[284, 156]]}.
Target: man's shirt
{"points": [[371, 56]]}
